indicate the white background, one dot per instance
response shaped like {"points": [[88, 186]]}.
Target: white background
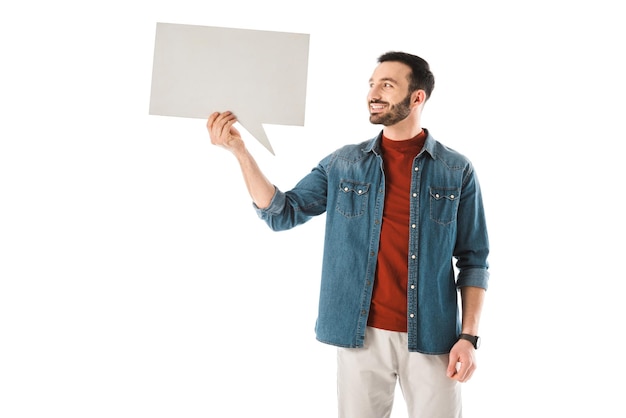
{"points": [[136, 280]]}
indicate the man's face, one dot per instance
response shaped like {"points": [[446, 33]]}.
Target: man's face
{"points": [[389, 99]]}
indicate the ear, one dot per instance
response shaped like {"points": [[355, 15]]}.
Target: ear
{"points": [[418, 97]]}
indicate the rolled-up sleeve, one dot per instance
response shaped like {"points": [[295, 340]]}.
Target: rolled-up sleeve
{"points": [[472, 243]]}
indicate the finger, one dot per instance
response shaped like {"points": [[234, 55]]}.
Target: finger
{"points": [[211, 120], [224, 122], [465, 372], [213, 126], [216, 118], [452, 367]]}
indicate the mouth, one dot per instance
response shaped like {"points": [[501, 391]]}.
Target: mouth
{"points": [[377, 107]]}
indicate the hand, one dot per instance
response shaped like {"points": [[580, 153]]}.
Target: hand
{"points": [[222, 131], [463, 353]]}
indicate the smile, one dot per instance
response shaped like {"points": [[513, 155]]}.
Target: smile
{"points": [[376, 107]]}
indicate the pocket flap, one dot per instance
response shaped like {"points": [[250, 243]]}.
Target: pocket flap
{"points": [[442, 193], [351, 186]]}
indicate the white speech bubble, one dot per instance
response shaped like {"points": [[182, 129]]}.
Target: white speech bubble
{"points": [[259, 75]]}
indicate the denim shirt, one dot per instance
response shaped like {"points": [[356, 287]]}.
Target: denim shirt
{"points": [[447, 223]]}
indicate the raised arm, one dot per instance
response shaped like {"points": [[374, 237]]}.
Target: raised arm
{"points": [[224, 134]]}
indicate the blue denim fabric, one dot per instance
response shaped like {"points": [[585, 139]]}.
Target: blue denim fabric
{"points": [[447, 222]]}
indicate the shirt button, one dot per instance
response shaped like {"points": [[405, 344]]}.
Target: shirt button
{"points": [[413, 226], [360, 192], [412, 286], [412, 315], [414, 194], [413, 257], [416, 168], [345, 189], [363, 312], [437, 195]]}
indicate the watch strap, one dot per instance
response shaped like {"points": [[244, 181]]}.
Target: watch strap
{"points": [[474, 339]]}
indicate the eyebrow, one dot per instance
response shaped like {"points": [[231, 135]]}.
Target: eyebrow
{"points": [[386, 79]]}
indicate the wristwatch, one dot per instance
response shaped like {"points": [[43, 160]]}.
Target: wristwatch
{"points": [[474, 339]]}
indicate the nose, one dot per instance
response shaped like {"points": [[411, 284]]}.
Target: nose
{"points": [[374, 94]]}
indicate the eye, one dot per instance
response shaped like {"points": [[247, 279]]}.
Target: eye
{"points": [[387, 85]]}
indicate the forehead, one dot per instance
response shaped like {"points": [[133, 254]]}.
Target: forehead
{"points": [[392, 70]]}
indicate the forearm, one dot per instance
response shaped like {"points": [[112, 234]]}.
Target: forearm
{"points": [[261, 190], [223, 133], [472, 299]]}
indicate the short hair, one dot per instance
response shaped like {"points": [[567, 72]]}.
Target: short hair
{"points": [[421, 77]]}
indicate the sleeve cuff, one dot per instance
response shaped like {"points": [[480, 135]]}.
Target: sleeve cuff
{"points": [[276, 204], [475, 277]]}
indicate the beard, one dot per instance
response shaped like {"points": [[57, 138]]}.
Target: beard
{"points": [[396, 112]]}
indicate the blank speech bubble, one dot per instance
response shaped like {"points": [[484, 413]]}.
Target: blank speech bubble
{"points": [[260, 75]]}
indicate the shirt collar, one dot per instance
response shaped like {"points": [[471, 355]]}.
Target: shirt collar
{"points": [[374, 144]]}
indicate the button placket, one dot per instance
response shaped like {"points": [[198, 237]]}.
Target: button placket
{"points": [[415, 187]]}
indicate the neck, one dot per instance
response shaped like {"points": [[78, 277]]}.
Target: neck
{"points": [[403, 130]]}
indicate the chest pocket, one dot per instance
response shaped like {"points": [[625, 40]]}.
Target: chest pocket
{"points": [[444, 204], [352, 198]]}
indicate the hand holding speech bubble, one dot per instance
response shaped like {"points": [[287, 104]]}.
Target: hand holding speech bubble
{"points": [[260, 75]]}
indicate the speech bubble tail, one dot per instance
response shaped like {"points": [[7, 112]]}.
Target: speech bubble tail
{"points": [[257, 131]]}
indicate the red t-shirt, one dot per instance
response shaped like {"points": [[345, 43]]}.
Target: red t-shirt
{"points": [[389, 299]]}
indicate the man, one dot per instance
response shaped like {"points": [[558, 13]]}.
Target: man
{"points": [[399, 209]]}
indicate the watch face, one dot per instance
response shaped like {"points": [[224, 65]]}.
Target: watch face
{"points": [[477, 343]]}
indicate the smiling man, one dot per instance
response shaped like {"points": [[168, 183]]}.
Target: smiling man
{"points": [[400, 208]]}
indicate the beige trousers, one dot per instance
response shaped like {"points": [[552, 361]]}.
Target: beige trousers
{"points": [[366, 379]]}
